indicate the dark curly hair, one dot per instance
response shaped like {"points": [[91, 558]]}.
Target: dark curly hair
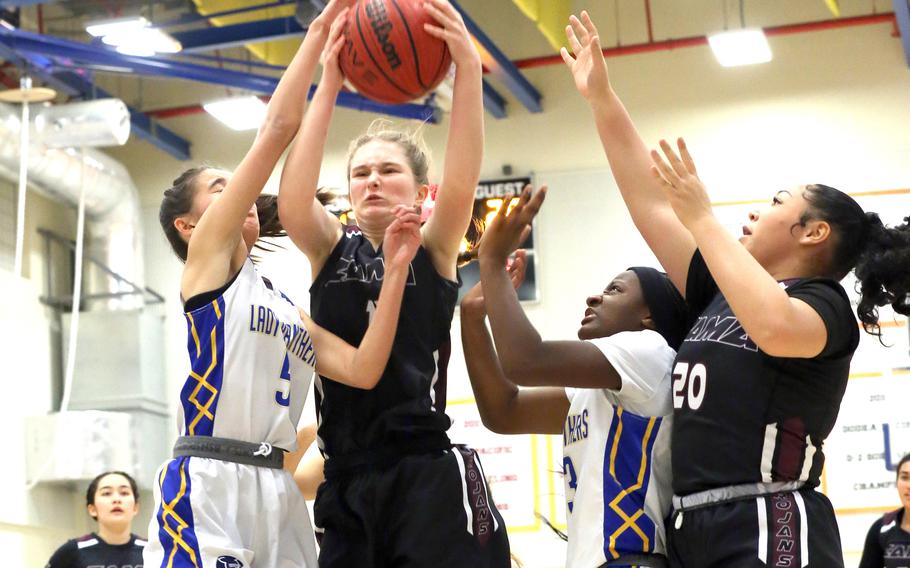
{"points": [[178, 200], [878, 255]]}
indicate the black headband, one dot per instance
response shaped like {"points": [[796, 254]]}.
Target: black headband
{"points": [[667, 306]]}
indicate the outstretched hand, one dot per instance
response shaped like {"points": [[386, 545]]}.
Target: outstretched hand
{"points": [[332, 76], [588, 66], [678, 178], [511, 226], [335, 10], [402, 237], [516, 267], [452, 30]]}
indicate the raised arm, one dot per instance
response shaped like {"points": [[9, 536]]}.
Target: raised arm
{"points": [[779, 325], [362, 367], [311, 227], [504, 408], [218, 231], [627, 154], [464, 146], [524, 356]]}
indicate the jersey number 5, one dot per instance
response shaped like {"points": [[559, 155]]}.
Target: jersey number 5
{"points": [[689, 385], [283, 395]]}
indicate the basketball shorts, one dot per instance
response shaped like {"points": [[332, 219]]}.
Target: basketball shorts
{"points": [[430, 509], [782, 530], [217, 514]]}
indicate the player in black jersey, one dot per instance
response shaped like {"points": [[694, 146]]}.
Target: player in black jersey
{"points": [[112, 500], [759, 379], [396, 492], [888, 541]]}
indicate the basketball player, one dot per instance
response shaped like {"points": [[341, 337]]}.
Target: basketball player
{"points": [[888, 541], [396, 492], [224, 501], [608, 394], [759, 379], [112, 500]]}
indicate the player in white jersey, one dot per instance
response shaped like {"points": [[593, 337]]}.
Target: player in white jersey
{"points": [[607, 394], [224, 501]]}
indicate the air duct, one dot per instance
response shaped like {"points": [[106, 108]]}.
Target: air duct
{"points": [[111, 205]]}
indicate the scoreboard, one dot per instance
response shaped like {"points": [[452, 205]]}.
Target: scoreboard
{"points": [[488, 198]]}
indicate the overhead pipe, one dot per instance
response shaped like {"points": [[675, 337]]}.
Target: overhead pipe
{"points": [[671, 44]]}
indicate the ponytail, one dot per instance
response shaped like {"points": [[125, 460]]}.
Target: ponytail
{"points": [[883, 271]]}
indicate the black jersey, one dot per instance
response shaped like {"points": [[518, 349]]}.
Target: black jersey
{"points": [[408, 404], [90, 551], [742, 416], [887, 544]]}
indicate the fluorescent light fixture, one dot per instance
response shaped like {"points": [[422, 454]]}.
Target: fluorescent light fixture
{"points": [[145, 41], [120, 25], [740, 47], [238, 113]]}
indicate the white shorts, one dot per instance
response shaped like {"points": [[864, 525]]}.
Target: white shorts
{"points": [[218, 514]]}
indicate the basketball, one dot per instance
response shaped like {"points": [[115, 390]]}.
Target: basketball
{"points": [[388, 57]]}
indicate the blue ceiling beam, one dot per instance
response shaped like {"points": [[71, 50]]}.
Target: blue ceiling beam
{"points": [[74, 85], [501, 66], [20, 3], [493, 101], [72, 54], [221, 37], [281, 28], [902, 16]]}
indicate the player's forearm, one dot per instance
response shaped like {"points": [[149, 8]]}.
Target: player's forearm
{"points": [[300, 175], [464, 145], [372, 356], [755, 297], [516, 339], [493, 392], [285, 109]]}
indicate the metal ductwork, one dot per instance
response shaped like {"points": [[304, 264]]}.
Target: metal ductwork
{"points": [[113, 234]]}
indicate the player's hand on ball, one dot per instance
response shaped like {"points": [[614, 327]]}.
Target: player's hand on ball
{"points": [[332, 76], [679, 180], [511, 226], [402, 237], [586, 61], [334, 10], [451, 29]]}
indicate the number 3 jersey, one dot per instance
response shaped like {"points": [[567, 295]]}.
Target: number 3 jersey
{"points": [[251, 363], [743, 416], [616, 454]]}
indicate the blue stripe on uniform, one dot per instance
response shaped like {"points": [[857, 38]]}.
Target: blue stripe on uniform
{"points": [[627, 470], [205, 343], [175, 517]]}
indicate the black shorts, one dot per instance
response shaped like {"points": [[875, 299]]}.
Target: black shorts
{"points": [[781, 530], [431, 509]]}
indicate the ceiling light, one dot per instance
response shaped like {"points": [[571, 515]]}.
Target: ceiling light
{"points": [[119, 25], [740, 47], [145, 41], [238, 113]]}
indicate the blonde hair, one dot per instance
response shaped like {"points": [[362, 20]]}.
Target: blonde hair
{"points": [[410, 141]]}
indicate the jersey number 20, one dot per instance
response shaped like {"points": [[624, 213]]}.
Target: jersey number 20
{"points": [[689, 385]]}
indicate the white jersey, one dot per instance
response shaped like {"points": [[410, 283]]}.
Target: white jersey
{"points": [[616, 447], [252, 362]]}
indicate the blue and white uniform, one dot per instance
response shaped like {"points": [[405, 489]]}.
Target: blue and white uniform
{"points": [[616, 448], [251, 364]]}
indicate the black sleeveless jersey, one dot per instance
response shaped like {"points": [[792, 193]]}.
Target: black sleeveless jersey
{"points": [[408, 404], [887, 544], [742, 416], [90, 551]]}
